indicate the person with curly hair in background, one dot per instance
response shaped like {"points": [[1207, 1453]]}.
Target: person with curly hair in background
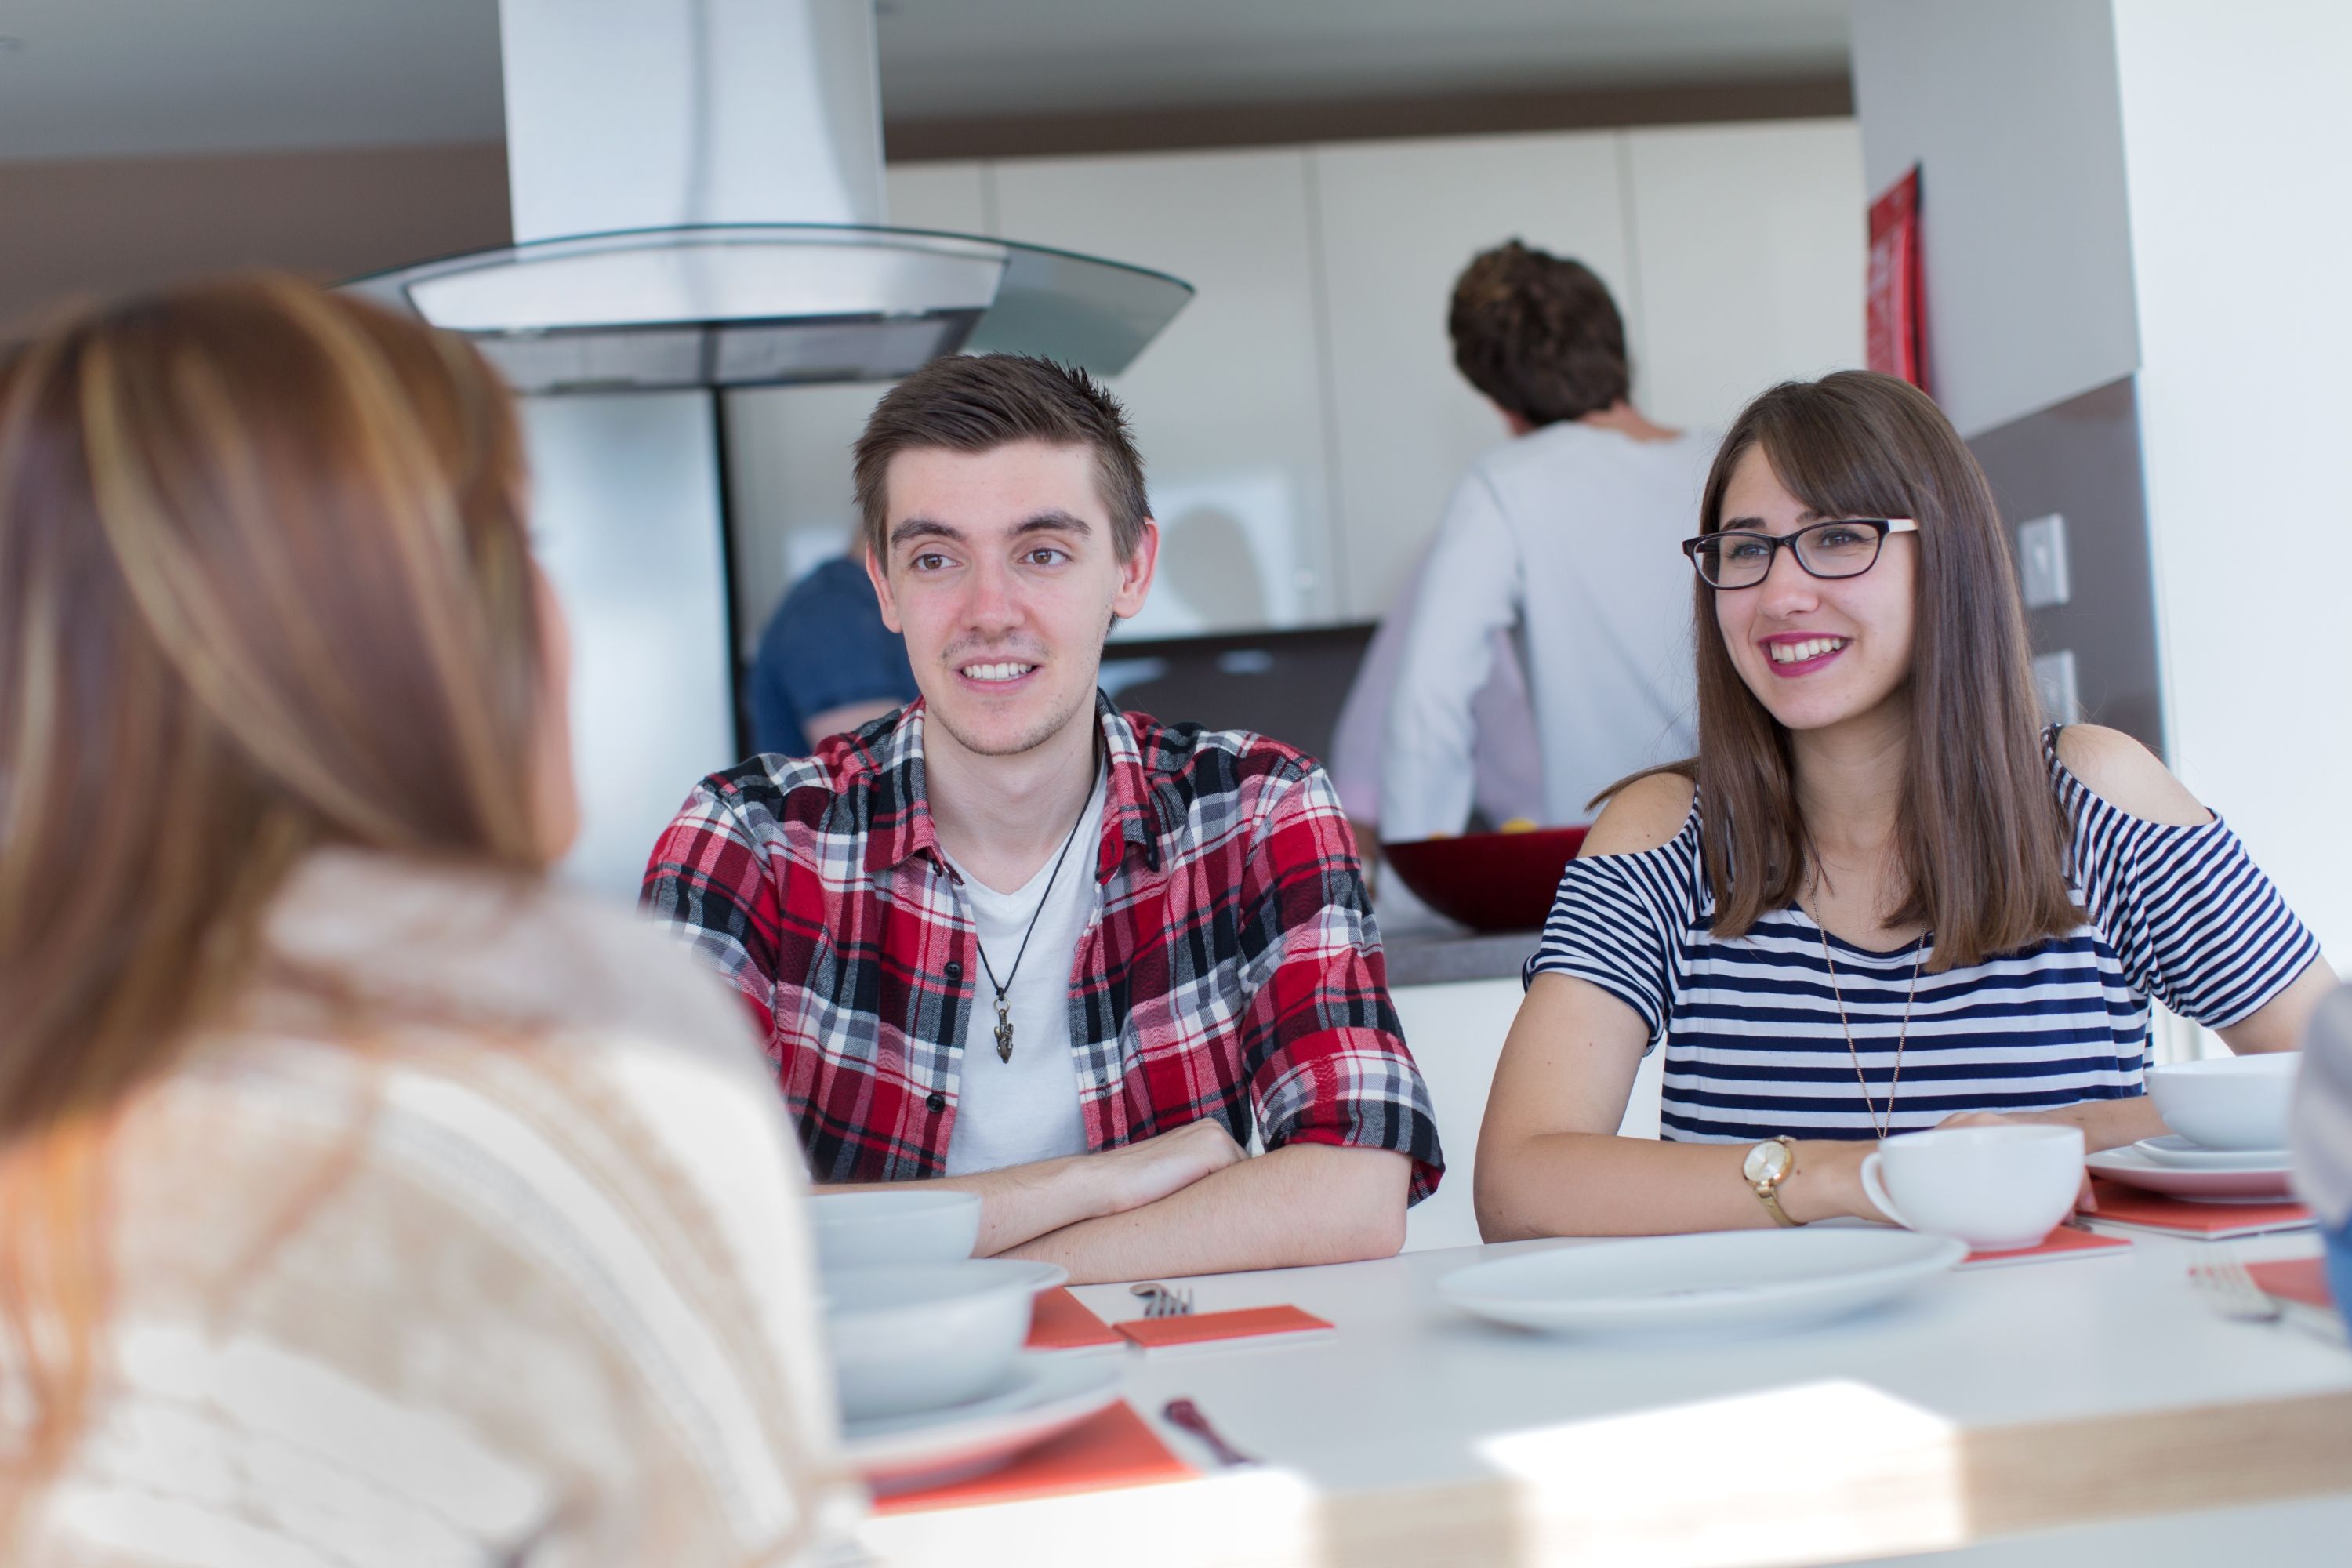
{"points": [[1557, 541]]}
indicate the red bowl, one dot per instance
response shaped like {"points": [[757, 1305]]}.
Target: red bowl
{"points": [[1489, 882]]}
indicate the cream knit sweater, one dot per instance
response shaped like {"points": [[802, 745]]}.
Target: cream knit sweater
{"points": [[525, 1278]]}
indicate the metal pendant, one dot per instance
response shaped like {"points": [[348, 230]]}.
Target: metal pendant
{"points": [[1003, 1032]]}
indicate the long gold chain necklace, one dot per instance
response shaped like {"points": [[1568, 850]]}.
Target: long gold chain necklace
{"points": [[1870, 1105]]}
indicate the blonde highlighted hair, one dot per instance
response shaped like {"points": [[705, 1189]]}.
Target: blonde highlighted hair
{"points": [[265, 586]]}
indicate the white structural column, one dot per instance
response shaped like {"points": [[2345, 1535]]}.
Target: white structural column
{"points": [[2237, 149], [2152, 188]]}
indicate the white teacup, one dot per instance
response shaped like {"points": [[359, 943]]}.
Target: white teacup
{"points": [[1999, 1189]]}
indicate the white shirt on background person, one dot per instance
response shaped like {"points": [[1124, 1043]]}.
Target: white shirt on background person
{"points": [[1570, 533], [1508, 773]]}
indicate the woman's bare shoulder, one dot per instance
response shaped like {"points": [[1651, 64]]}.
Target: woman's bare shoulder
{"points": [[1642, 816], [2127, 776]]}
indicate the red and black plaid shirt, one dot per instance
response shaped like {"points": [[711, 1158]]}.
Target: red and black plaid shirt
{"points": [[1233, 971]]}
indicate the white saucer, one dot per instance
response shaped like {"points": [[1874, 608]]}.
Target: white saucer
{"points": [[2134, 1168], [1726, 1279], [1048, 1395], [1045, 1276], [2174, 1149]]}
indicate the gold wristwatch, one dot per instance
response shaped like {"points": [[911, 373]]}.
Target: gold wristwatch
{"points": [[1768, 1164]]}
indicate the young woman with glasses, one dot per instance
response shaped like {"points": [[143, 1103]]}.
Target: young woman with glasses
{"points": [[1883, 895]]}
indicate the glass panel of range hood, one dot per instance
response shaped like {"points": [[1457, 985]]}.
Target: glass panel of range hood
{"points": [[740, 353], [761, 353], [759, 304], [573, 285]]}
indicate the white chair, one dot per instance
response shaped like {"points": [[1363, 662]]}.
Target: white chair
{"points": [[1455, 1033]]}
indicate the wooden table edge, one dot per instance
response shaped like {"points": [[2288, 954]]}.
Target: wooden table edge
{"points": [[1955, 1489]]}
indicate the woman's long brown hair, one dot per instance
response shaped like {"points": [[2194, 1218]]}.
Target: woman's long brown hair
{"points": [[1981, 841], [265, 586]]}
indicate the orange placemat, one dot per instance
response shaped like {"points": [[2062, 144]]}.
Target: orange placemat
{"points": [[2119, 1205], [2303, 1280], [2063, 1242], [1113, 1449], [1167, 1333], [1060, 1322]]}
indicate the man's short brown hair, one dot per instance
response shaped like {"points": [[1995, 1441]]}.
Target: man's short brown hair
{"points": [[1539, 334], [977, 402]]}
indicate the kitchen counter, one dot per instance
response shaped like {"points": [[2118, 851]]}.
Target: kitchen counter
{"points": [[1426, 949]]}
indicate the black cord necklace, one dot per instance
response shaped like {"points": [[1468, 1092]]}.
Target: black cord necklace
{"points": [[1003, 1010]]}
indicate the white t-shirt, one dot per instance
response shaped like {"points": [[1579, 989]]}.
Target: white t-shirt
{"points": [[1507, 766], [1572, 533], [1019, 1111]]}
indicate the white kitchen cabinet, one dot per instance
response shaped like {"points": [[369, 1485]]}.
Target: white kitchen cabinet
{"points": [[954, 197], [1750, 244], [1399, 221], [1301, 420], [1227, 403], [788, 502]]}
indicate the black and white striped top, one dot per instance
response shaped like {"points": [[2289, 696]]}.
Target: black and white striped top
{"points": [[1754, 1047]]}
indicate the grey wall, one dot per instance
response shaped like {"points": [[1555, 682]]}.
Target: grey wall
{"points": [[2010, 107], [2080, 458], [100, 227]]}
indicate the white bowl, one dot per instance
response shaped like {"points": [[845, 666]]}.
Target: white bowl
{"points": [[915, 1225], [2228, 1103], [917, 1336]]}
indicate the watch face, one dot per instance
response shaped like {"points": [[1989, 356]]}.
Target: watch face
{"points": [[1766, 1161]]}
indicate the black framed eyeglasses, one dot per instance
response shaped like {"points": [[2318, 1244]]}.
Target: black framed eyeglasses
{"points": [[1846, 547]]}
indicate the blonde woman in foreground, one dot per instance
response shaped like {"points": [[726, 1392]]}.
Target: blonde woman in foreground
{"points": [[362, 1199]]}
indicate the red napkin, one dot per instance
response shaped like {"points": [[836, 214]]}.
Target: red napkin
{"points": [[1113, 1449], [1163, 1333], [2063, 1242], [2119, 1205], [2303, 1280], [1060, 1322]]}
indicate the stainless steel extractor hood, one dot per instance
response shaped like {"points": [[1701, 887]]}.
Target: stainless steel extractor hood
{"points": [[698, 198]]}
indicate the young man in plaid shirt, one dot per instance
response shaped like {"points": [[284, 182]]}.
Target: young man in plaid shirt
{"points": [[1013, 941]]}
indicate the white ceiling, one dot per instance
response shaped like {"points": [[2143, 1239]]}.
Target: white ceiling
{"points": [[125, 78]]}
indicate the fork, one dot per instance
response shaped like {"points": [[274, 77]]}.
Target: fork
{"points": [[2231, 1291], [1160, 1301]]}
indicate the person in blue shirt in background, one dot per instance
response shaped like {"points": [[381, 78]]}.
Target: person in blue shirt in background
{"points": [[827, 663]]}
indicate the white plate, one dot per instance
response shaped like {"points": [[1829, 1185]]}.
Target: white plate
{"points": [[2135, 1169], [2182, 1153], [1735, 1279], [1048, 1396]]}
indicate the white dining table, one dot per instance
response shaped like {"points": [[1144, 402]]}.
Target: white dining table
{"points": [[1989, 1408]]}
